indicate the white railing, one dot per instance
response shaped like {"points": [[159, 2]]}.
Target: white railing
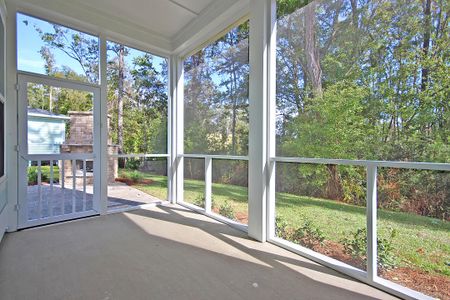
{"points": [[140, 155], [208, 186], [366, 163], [371, 166], [51, 159]]}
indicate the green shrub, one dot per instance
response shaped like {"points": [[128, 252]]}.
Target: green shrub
{"points": [[133, 163], [281, 229], [135, 176], [308, 235], [32, 174], [356, 246], [226, 210], [200, 201]]}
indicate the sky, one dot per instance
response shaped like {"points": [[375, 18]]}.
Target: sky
{"points": [[29, 43]]}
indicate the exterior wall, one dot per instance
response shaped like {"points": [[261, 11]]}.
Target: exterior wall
{"points": [[81, 141], [81, 128], [45, 135]]}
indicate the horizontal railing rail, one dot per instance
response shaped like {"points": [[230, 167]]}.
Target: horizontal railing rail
{"points": [[45, 79], [372, 167], [62, 156], [214, 156], [366, 163], [140, 155]]}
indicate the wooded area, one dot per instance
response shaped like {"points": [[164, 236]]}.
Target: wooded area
{"points": [[137, 87], [365, 79], [356, 79]]}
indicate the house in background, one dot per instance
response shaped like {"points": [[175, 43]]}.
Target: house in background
{"points": [[46, 131]]}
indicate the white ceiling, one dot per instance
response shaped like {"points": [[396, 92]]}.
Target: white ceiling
{"points": [[164, 17], [162, 25]]}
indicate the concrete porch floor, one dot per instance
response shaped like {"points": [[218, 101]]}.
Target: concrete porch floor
{"points": [[120, 196], [165, 252]]}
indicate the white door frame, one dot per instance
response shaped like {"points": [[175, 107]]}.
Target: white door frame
{"points": [[23, 79]]}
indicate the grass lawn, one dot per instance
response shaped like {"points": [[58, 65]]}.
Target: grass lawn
{"points": [[421, 242]]}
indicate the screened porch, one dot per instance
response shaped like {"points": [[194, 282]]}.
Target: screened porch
{"points": [[229, 149]]}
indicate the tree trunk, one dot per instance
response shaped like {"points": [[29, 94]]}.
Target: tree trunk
{"points": [[354, 4], [233, 126], [334, 186], [313, 69], [50, 100], [426, 42], [120, 87]]}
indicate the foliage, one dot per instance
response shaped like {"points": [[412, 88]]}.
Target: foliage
{"points": [[216, 96], [32, 174], [356, 246], [200, 201], [135, 176], [308, 235], [226, 210], [365, 80], [140, 124], [415, 234], [281, 228], [133, 163]]}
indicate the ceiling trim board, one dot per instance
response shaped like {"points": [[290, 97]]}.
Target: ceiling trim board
{"points": [[81, 18], [184, 7], [212, 21]]}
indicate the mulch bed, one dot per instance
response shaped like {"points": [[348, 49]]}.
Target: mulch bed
{"points": [[241, 217], [431, 284], [128, 181], [428, 283]]}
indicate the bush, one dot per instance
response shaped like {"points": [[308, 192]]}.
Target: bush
{"points": [[356, 246], [133, 163], [227, 210], [32, 174], [308, 235], [135, 176], [200, 201], [281, 229]]}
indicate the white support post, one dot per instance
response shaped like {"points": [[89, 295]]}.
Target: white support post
{"points": [[371, 222], [50, 199], [74, 183], [101, 184], [39, 182], [208, 184], [271, 120], [176, 172], [170, 120], [63, 175], [84, 185], [11, 131], [260, 27], [63, 192]]}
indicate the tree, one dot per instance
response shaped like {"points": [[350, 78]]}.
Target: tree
{"points": [[78, 46]]}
